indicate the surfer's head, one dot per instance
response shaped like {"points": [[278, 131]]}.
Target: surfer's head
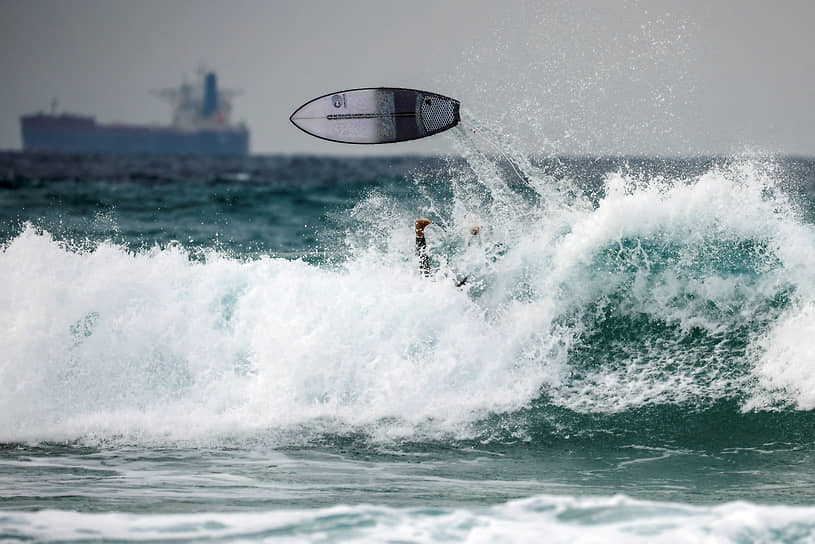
{"points": [[420, 225]]}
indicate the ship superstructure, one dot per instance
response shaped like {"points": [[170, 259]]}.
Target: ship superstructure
{"points": [[201, 125]]}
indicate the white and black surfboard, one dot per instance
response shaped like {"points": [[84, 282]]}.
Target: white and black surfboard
{"points": [[377, 116]]}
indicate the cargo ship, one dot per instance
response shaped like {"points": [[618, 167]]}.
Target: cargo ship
{"points": [[200, 126]]}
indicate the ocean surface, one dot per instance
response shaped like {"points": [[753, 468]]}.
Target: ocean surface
{"points": [[243, 349]]}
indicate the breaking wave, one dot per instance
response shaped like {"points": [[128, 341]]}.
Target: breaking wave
{"points": [[651, 292]]}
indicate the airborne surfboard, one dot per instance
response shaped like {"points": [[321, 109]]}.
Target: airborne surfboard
{"points": [[377, 115]]}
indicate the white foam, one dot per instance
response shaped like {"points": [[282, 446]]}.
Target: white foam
{"points": [[560, 518], [110, 343], [784, 366]]}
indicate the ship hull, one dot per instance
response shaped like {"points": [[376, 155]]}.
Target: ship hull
{"points": [[76, 134]]}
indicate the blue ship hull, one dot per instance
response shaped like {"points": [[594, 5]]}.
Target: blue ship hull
{"points": [[77, 134]]}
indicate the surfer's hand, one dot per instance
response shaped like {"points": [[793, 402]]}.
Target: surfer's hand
{"points": [[420, 225]]}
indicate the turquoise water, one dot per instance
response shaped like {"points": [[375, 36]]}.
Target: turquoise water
{"points": [[244, 349]]}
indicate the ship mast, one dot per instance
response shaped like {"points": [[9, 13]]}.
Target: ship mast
{"points": [[199, 106]]}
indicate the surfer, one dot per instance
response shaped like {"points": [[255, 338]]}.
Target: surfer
{"points": [[421, 248]]}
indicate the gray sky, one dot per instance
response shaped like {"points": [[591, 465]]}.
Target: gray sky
{"points": [[636, 77]]}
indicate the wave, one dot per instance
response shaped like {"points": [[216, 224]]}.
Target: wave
{"points": [[561, 518], [688, 292]]}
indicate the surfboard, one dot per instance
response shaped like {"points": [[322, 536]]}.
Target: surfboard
{"points": [[377, 115]]}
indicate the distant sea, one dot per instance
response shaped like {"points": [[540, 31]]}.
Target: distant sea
{"points": [[243, 349]]}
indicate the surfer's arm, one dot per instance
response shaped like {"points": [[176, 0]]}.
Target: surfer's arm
{"points": [[421, 247], [474, 230]]}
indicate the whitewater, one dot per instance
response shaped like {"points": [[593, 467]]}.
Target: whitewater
{"points": [[247, 350]]}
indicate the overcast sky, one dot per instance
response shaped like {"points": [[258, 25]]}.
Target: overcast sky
{"points": [[634, 77]]}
